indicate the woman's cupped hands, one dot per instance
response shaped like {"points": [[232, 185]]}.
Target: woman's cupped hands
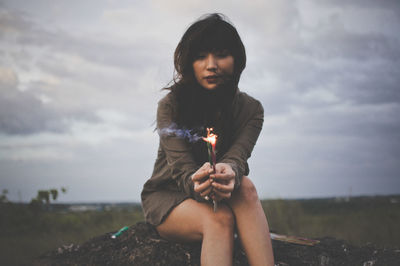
{"points": [[218, 185]]}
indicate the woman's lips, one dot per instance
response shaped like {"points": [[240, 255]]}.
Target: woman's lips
{"points": [[212, 79]]}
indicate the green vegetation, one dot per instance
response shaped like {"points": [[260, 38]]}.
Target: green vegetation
{"points": [[358, 221], [43, 198], [27, 232]]}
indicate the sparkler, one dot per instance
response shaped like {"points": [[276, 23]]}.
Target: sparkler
{"points": [[211, 140]]}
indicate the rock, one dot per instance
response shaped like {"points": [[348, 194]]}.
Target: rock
{"points": [[141, 245]]}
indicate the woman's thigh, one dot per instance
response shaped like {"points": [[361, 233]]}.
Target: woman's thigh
{"points": [[186, 222]]}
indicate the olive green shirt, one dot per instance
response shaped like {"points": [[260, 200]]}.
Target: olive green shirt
{"points": [[171, 183]]}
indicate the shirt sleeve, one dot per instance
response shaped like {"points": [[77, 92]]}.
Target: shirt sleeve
{"points": [[177, 150], [244, 141]]}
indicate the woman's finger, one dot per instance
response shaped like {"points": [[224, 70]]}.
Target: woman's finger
{"points": [[224, 171], [206, 192], [200, 174], [200, 187], [223, 176], [206, 165], [222, 195], [225, 188]]}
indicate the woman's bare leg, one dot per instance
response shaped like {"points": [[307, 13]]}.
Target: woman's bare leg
{"points": [[252, 224], [193, 221]]}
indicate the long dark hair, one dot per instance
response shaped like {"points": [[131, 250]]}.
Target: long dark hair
{"points": [[198, 108]]}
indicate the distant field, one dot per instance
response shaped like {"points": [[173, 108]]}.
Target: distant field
{"points": [[359, 220], [25, 233]]}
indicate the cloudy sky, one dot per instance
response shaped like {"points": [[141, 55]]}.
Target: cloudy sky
{"points": [[80, 81]]}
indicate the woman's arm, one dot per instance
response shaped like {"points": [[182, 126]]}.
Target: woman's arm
{"points": [[178, 152], [244, 141]]}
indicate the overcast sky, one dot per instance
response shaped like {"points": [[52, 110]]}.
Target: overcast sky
{"points": [[80, 82]]}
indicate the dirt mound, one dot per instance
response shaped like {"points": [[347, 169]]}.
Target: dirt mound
{"points": [[141, 245]]}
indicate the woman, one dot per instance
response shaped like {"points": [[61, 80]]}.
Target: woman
{"points": [[178, 198]]}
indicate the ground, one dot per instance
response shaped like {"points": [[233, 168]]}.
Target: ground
{"points": [[141, 245]]}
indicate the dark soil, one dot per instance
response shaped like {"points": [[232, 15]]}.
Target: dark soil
{"points": [[141, 245]]}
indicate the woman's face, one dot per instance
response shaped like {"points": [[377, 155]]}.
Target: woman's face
{"points": [[211, 69]]}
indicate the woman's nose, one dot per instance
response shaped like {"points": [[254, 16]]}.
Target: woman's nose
{"points": [[211, 62]]}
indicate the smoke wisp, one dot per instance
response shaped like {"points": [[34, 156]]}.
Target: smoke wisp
{"points": [[174, 131]]}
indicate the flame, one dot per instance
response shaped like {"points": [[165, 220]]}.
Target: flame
{"points": [[211, 137]]}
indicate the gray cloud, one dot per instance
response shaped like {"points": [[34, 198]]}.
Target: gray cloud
{"points": [[21, 112], [361, 68], [93, 47], [89, 70], [392, 5]]}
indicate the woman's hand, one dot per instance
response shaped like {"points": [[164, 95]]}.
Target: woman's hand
{"points": [[201, 180], [222, 182]]}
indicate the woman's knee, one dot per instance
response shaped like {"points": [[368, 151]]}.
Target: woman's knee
{"points": [[247, 191], [223, 218]]}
